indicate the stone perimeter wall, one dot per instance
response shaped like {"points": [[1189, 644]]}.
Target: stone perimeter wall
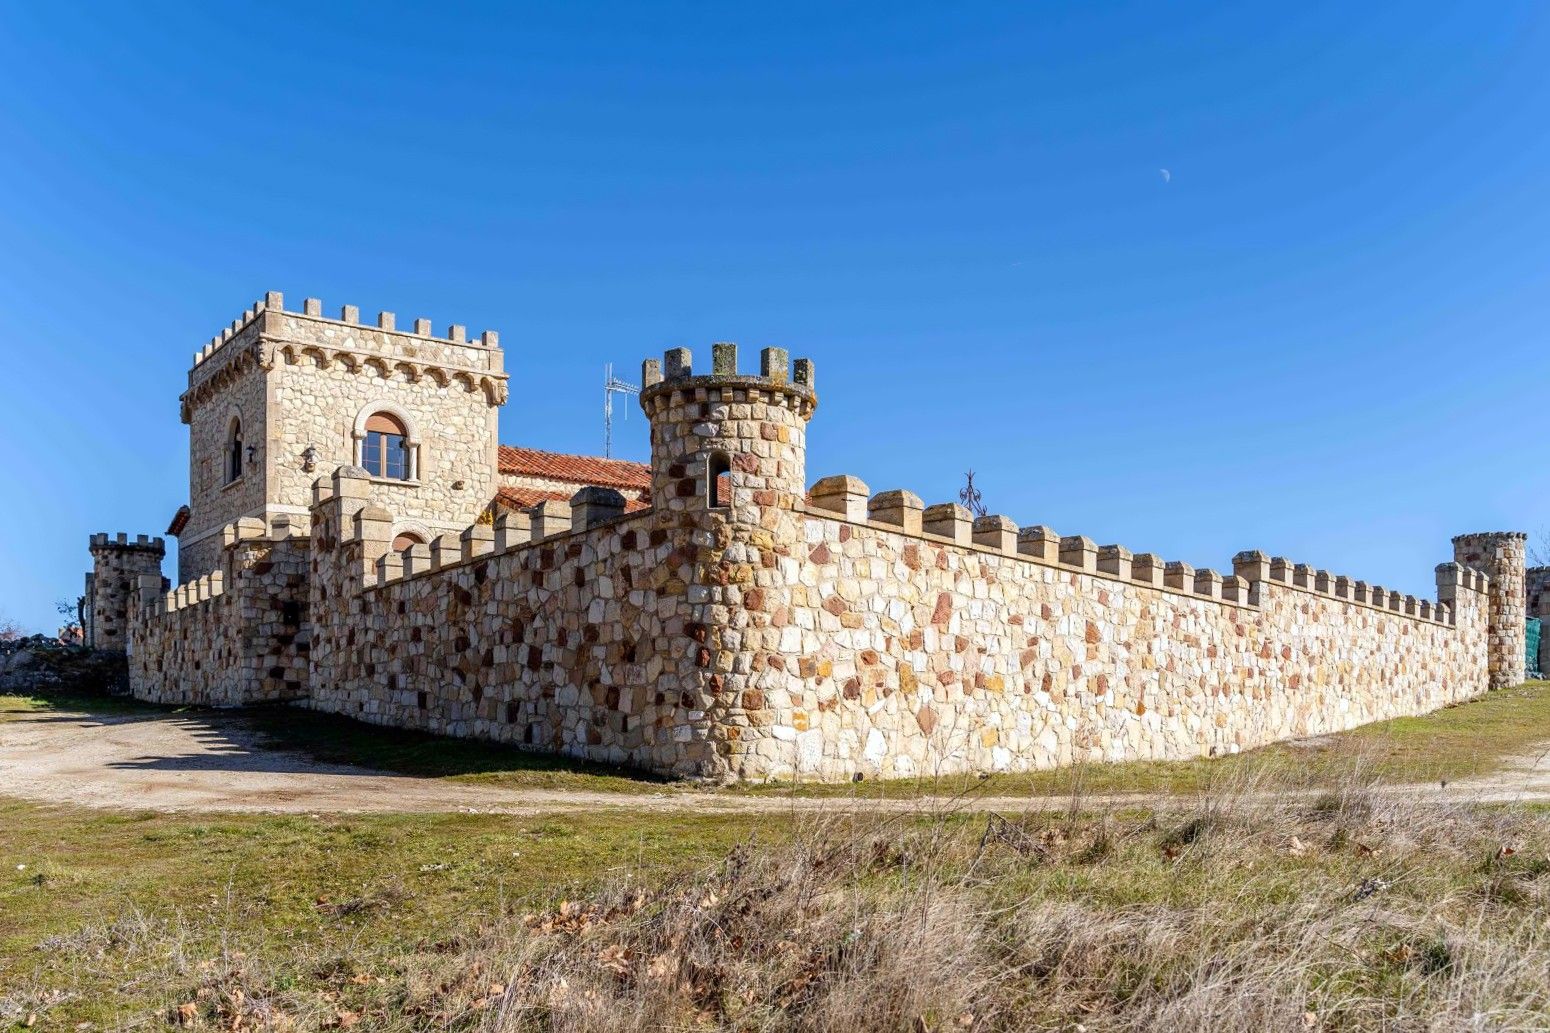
{"points": [[236, 636], [745, 626], [895, 655], [864, 649], [579, 643]]}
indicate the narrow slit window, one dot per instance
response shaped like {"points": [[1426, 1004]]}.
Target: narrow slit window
{"points": [[234, 452], [718, 477]]}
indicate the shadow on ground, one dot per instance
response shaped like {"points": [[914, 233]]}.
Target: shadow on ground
{"points": [[258, 739]]}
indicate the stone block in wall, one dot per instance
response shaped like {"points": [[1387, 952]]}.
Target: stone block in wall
{"points": [[551, 518], [1208, 583], [1302, 576], [248, 529], [1180, 576], [1116, 561], [949, 520], [512, 530], [417, 559], [723, 359], [476, 540], [1237, 589], [1281, 569], [1039, 542], [372, 526], [842, 495], [903, 509], [595, 505], [677, 364], [1147, 568], [1251, 565], [446, 549], [351, 482], [390, 566], [1079, 551], [995, 532], [775, 364]]}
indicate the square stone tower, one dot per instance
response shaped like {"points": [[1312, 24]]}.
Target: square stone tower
{"points": [[281, 398]]}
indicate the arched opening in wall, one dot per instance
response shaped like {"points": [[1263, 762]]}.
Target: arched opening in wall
{"points": [[386, 450], [718, 480], [234, 450], [406, 540]]}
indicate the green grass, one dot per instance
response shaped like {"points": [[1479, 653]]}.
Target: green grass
{"points": [[357, 888], [112, 917], [334, 739], [17, 705], [406, 922]]}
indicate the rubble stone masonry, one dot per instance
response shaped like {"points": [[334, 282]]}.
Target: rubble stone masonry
{"points": [[748, 625], [235, 636]]}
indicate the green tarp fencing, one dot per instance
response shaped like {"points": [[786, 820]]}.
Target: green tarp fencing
{"points": [[1533, 647]]}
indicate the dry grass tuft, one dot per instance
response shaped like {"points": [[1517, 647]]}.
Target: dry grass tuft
{"points": [[1359, 910]]}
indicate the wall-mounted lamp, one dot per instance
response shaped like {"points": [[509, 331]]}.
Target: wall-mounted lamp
{"points": [[309, 459]]}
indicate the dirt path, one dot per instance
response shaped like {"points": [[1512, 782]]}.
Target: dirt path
{"points": [[216, 762]]}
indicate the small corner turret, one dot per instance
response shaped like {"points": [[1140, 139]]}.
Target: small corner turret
{"points": [[725, 443], [112, 588]]}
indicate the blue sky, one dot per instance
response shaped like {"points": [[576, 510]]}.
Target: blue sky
{"points": [[1325, 337]]}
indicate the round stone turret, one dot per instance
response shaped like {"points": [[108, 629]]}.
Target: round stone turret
{"points": [[118, 563], [726, 446], [728, 474], [1501, 556]]}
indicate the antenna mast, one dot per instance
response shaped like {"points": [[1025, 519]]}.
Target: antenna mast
{"points": [[612, 385]]}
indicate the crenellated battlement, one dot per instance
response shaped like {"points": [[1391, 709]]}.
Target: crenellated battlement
{"points": [[847, 497], [123, 543], [672, 380], [549, 523], [349, 315], [268, 336]]}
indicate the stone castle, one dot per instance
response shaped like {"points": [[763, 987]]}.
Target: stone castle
{"points": [[356, 540]]}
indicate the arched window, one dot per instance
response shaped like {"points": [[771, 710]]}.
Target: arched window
{"points": [[385, 450], [234, 450], [718, 480], [405, 540]]}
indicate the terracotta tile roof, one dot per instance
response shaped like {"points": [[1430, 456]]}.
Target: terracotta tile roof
{"points": [[179, 521], [580, 470], [527, 498]]}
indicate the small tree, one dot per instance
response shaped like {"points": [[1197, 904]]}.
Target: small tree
{"points": [[74, 614]]}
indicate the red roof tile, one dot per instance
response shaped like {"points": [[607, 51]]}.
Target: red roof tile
{"points": [[581, 470], [527, 498]]}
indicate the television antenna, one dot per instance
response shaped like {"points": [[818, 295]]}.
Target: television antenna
{"points": [[612, 385]]}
